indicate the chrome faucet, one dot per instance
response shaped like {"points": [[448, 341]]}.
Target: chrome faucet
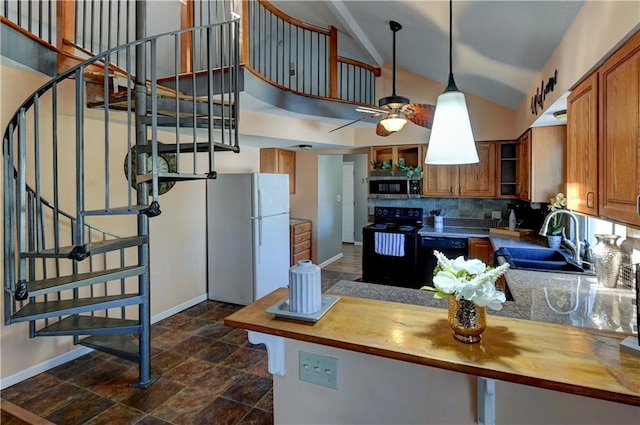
{"points": [[574, 247]]}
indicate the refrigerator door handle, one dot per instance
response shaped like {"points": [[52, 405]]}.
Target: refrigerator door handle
{"points": [[259, 203], [259, 237]]}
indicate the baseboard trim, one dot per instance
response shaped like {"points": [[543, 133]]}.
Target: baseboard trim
{"points": [[358, 243], [81, 351], [331, 260]]}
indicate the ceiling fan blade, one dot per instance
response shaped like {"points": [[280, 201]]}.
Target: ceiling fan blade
{"points": [[370, 110], [419, 113], [383, 132], [354, 121]]}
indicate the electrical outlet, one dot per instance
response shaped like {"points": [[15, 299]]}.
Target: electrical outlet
{"points": [[318, 369], [497, 215]]}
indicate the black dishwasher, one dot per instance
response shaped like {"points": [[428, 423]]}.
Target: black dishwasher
{"points": [[452, 248]]}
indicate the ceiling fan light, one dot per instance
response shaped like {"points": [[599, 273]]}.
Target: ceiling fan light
{"points": [[451, 140], [393, 123]]}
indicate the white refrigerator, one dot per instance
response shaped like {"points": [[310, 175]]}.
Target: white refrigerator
{"points": [[247, 236]]}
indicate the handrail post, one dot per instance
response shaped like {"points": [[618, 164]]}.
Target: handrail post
{"points": [[66, 28], [333, 62], [244, 33], [186, 38]]}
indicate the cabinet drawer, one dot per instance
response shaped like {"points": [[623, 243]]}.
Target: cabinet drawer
{"points": [[304, 255], [302, 246], [301, 228], [301, 238]]}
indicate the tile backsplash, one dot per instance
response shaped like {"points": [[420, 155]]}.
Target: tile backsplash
{"points": [[452, 207]]}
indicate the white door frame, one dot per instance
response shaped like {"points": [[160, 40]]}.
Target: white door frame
{"points": [[348, 202]]}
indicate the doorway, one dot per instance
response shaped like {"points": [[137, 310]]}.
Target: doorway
{"points": [[348, 203]]}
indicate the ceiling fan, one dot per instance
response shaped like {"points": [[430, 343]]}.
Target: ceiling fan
{"points": [[395, 110]]}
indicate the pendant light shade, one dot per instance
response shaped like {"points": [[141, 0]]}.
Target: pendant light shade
{"points": [[451, 140]]}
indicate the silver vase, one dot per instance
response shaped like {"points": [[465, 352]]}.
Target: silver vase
{"points": [[608, 258]]}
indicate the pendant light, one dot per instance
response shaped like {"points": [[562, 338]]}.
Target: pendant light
{"points": [[451, 140]]}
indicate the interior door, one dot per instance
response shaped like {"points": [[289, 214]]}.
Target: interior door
{"points": [[348, 203]]}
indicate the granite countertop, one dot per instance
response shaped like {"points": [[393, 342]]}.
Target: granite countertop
{"points": [[564, 298]]}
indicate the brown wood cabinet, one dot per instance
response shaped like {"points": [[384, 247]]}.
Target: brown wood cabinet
{"points": [[407, 155], [300, 233], [469, 180], [619, 138], [541, 153], [480, 248], [279, 161], [582, 147], [507, 168]]}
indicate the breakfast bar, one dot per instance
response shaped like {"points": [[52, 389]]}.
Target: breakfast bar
{"points": [[398, 363]]}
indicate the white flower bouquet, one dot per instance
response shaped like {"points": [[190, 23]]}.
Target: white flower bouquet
{"points": [[471, 280]]}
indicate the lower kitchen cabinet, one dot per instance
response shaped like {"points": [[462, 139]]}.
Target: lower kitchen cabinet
{"points": [[300, 233], [480, 248]]}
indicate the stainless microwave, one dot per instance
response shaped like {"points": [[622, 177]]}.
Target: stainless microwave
{"points": [[394, 187]]}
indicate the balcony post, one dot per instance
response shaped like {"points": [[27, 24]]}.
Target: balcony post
{"points": [[244, 33], [65, 22], [333, 62], [186, 38]]}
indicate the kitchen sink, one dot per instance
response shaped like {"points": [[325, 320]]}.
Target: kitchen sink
{"points": [[540, 259]]}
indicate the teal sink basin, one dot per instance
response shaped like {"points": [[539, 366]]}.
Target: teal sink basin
{"points": [[540, 259]]}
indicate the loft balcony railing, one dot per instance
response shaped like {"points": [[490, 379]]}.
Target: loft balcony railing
{"points": [[281, 50], [300, 57]]}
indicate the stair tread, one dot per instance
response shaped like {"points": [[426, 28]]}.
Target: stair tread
{"points": [[125, 346], [133, 209], [171, 177], [91, 247], [83, 325], [40, 287], [42, 310], [200, 122]]}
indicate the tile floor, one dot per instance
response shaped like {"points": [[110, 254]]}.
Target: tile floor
{"points": [[209, 374]]}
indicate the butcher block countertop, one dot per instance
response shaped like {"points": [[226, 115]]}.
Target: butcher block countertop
{"points": [[574, 360]]}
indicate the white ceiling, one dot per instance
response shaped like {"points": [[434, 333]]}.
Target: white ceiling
{"points": [[499, 47]]}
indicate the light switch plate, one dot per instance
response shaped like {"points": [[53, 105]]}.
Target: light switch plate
{"points": [[318, 369]]}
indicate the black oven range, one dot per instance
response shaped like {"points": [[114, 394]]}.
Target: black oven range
{"points": [[391, 248]]}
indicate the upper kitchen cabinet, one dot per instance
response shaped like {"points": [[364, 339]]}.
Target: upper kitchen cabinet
{"points": [[619, 100], [279, 161], [507, 164], [541, 153], [582, 147], [469, 180], [394, 156]]}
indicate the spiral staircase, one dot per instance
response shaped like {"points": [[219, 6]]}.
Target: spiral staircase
{"points": [[62, 149]]}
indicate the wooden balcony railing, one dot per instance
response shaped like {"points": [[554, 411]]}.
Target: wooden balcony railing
{"points": [[300, 57]]}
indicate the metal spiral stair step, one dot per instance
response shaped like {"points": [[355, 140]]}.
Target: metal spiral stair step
{"points": [[220, 83], [45, 309], [185, 147], [188, 122], [123, 346], [126, 210], [83, 251], [90, 325], [61, 283]]}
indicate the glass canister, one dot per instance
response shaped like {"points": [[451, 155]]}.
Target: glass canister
{"points": [[305, 288], [608, 257]]}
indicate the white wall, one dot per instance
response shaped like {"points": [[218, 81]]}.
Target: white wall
{"points": [[373, 390]]}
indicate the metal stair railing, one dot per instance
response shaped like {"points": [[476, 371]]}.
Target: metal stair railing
{"points": [[88, 116]]}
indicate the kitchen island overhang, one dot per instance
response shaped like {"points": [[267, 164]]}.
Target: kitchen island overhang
{"points": [[580, 361]]}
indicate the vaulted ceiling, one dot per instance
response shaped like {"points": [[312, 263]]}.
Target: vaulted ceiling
{"points": [[499, 47]]}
